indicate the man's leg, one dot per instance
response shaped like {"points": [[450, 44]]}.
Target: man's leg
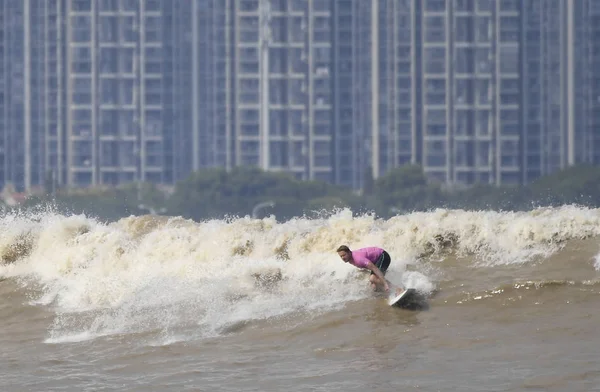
{"points": [[376, 283], [383, 263]]}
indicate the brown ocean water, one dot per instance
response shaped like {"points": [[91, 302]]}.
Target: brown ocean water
{"points": [[507, 302]]}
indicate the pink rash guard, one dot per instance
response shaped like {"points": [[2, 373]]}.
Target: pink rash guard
{"points": [[362, 256]]}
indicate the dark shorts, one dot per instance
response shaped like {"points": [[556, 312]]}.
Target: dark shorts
{"points": [[383, 262]]}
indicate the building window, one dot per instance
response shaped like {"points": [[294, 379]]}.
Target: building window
{"points": [[436, 122], [436, 160], [126, 91], [126, 60], [82, 153], [483, 91], [152, 5], [484, 5], [297, 93], [130, 5], [248, 60], [250, 153], [511, 129], [278, 60], [277, 122], [279, 31], [435, 29], [82, 122], [509, 59], [129, 26], [153, 123], [249, 91], [249, 5], [81, 5], [484, 29], [109, 91], [465, 60], [510, 5], [109, 153], [128, 154], [278, 154], [298, 154], [152, 29], [483, 153], [298, 29], [109, 60], [436, 5], [81, 28], [154, 157], [153, 91], [81, 61], [249, 29], [322, 31], [82, 91], [465, 5], [464, 123], [298, 5], [109, 5], [109, 28], [297, 122], [435, 60], [249, 116], [109, 122], [128, 123], [483, 122], [436, 91], [153, 60], [464, 91], [278, 91], [465, 29], [509, 29], [464, 153], [249, 129]]}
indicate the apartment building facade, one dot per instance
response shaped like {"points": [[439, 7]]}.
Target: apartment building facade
{"points": [[102, 92]]}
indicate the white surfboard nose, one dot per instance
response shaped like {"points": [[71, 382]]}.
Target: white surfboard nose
{"points": [[400, 293]]}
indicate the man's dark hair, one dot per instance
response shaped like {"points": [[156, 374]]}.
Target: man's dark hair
{"points": [[343, 248]]}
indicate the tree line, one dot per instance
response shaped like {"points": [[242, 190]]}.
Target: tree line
{"points": [[216, 193]]}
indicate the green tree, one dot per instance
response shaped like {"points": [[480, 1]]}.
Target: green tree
{"points": [[405, 189], [577, 184], [213, 193]]}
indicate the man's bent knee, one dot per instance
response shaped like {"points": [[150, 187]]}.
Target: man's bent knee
{"points": [[375, 279]]}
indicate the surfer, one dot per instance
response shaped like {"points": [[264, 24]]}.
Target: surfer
{"points": [[372, 258]]}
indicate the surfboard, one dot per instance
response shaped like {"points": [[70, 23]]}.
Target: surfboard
{"points": [[399, 298]]}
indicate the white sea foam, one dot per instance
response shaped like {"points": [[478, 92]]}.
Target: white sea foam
{"points": [[597, 262], [141, 274]]}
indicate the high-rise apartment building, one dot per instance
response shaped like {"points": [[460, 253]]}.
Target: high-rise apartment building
{"points": [[85, 100], [448, 91], [587, 31], [115, 97], [180, 75], [485, 91], [213, 87], [99, 92], [557, 78], [353, 81], [31, 88], [265, 86]]}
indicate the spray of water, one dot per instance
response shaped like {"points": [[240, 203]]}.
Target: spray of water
{"points": [[171, 276]]}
